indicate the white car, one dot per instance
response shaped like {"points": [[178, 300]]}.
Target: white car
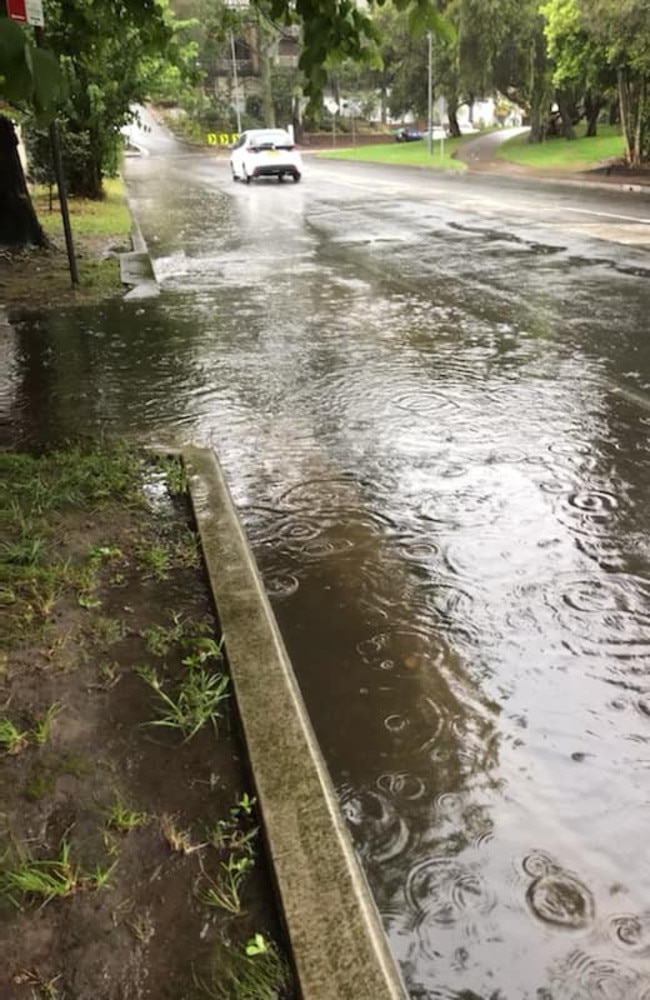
{"points": [[265, 152]]}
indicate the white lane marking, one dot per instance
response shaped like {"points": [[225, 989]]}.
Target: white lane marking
{"points": [[608, 215]]}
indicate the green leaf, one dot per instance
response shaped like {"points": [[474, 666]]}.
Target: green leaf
{"points": [[28, 74], [12, 43]]}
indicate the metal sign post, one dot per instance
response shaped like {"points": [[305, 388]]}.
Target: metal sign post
{"points": [[235, 80], [430, 96], [60, 183], [235, 5]]}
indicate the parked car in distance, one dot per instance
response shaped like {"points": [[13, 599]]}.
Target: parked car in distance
{"points": [[265, 152], [408, 135]]}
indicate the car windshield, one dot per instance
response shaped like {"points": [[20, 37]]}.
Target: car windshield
{"points": [[275, 138]]}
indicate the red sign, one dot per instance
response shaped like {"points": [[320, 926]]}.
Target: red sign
{"points": [[16, 10]]}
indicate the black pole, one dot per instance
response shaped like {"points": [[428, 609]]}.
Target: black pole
{"points": [[60, 183]]}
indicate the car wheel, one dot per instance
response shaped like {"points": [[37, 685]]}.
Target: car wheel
{"points": [[246, 177], [234, 175], [280, 178], [296, 177]]}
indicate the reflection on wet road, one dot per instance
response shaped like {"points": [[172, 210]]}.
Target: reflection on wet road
{"points": [[433, 412]]}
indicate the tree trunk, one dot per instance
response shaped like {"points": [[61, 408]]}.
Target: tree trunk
{"points": [[632, 100], [638, 130], [18, 223], [566, 108], [593, 107], [537, 129], [452, 115]]}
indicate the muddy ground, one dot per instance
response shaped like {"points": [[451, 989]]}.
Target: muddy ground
{"points": [[136, 824]]}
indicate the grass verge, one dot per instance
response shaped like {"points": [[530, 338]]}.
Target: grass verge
{"points": [[129, 839], [412, 154], [101, 230], [560, 154]]}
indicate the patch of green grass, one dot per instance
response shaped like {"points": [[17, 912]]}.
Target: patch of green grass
{"points": [[25, 552], [560, 154], [42, 880], [186, 551], [43, 727], [39, 786], [412, 154], [43, 490], [76, 765], [155, 560], [160, 638], [105, 631], [78, 477], [108, 217], [122, 818], [31, 880], [12, 739], [175, 474]]}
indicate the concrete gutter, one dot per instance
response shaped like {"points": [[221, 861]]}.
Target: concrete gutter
{"points": [[136, 268], [338, 944]]}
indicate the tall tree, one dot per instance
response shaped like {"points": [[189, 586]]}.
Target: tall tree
{"points": [[102, 49], [522, 70], [579, 62], [621, 28], [29, 76]]}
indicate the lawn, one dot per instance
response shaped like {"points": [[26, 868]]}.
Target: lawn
{"points": [[558, 154], [412, 154], [100, 231], [108, 217]]}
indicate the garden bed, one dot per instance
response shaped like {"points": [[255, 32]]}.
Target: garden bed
{"points": [[131, 860]]}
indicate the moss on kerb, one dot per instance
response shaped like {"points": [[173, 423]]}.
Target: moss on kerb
{"points": [[339, 947]]}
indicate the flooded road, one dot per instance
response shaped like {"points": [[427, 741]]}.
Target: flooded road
{"points": [[432, 401]]}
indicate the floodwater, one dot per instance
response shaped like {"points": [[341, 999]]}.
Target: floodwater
{"points": [[435, 427]]}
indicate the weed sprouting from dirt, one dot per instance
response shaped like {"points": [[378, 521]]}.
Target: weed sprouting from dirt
{"points": [[43, 728], [12, 739], [105, 631], [186, 551], [198, 696], [52, 878], [161, 638], [156, 560], [47, 989], [175, 475], [122, 818], [26, 552], [224, 892], [255, 972]]}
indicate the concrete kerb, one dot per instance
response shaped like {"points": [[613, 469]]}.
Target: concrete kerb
{"points": [[339, 947], [136, 268]]}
